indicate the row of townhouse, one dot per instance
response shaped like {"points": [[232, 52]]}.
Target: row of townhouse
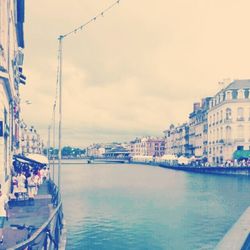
{"points": [[147, 146], [217, 127], [11, 61], [177, 140]]}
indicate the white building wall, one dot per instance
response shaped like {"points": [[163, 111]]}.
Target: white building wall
{"points": [[8, 92], [227, 132], [5, 142]]}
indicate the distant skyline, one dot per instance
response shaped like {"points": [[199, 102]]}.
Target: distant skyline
{"points": [[135, 71]]}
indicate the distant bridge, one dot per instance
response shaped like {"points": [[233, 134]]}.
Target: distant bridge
{"points": [[94, 159], [91, 159]]}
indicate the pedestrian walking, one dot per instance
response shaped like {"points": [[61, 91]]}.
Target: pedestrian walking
{"points": [[31, 186]]}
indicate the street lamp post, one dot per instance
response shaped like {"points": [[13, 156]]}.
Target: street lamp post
{"points": [[60, 39]]}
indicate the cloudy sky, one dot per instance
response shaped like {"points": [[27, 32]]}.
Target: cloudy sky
{"points": [[134, 71]]}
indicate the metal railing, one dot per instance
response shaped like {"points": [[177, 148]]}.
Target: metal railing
{"points": [[48, 236]]}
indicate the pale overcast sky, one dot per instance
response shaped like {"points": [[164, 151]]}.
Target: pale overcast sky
{"points": [[135, 71]]}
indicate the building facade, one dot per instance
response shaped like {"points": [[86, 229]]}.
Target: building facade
{"points": [[30, 140], [229, 121], [11, 60], [177, 140], [198, 129], [147, 146]]}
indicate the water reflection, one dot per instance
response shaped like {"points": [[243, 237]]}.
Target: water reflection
{"points": [[142, 207]]}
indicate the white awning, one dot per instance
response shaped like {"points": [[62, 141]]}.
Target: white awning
{"points": [[169, 157], [183, 160], [38, 158], [22, 160]]}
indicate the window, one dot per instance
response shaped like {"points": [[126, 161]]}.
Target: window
{"points": [[224, 96], [6, 144], [221, 115], [228, 133], [228, 114], [240, 132], [240, 114], [246, 93], [235, 94]]}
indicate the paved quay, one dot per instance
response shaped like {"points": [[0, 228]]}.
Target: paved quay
{"points": [[238, 237], [32, 213]]}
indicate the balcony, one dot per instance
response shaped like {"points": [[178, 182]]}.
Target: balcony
{"points": [[221, 141], [239, 140], [228, 120], [228, 142], [240, 119]]}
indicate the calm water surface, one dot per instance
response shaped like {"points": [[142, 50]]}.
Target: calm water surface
{"points": [[140, 207]]}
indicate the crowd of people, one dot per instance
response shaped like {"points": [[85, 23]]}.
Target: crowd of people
{"points": [[27, 178], [229, 163], [25, 182]]}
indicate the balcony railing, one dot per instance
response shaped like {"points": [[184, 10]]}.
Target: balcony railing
{"points": [[239, 140], [240, 119]]}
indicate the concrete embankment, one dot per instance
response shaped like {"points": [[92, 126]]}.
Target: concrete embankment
{"points": [[212, 170], [238, 237], [205, 170]]}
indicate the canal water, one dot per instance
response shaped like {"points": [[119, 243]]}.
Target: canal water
{"points": [[120, 206]]}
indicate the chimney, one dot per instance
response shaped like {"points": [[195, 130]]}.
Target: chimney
{"points": [[196, 106]]}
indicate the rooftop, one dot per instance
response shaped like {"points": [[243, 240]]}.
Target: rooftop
{"points": [[239, 84]]}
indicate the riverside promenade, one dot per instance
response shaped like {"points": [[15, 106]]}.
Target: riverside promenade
{"points": [[31, 213], [209, 170], [232, 170]]}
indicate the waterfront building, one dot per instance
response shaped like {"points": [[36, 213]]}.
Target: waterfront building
{"points": [[11, 61], [177, 140], [93, 150], [117, 152], [134, 147], [147, 146], [30, 140], [229, 121], [102, 149], [198, 129]]}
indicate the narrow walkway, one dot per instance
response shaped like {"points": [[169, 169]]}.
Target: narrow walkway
{"points": [[33, 213]]}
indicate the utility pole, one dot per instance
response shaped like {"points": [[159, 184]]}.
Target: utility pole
{"points": [[60, 38]]}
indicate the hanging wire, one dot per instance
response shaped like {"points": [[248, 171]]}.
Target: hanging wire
{"points": [[101, 14], [74, 31], [79, 28]]}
